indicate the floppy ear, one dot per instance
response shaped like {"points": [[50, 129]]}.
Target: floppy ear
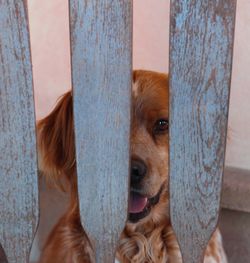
{"points": [[55, 137]]}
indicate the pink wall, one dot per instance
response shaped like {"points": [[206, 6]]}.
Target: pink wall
{"points": [[238, 149], [150, 35], [51, 60], [49, 32]]}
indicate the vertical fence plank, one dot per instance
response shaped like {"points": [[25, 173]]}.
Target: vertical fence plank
{"points": [[201, 43], [18, 169], [101, 35]]}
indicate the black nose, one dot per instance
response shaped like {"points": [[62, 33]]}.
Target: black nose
{"points": [[138, 171]]}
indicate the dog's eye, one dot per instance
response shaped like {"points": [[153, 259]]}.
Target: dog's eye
{"points": [[161, 126]]}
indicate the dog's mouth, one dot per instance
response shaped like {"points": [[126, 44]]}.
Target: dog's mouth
{"points": [[140, 206]]}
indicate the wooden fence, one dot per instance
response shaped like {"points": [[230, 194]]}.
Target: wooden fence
{"points": [[201, 43]]}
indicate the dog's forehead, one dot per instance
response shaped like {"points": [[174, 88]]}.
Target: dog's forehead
{"points": [[150, 91]]}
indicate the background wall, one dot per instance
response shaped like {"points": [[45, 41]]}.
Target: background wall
{"points": [[51, 60]]}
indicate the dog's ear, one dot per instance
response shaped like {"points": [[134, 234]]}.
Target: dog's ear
{"points": [[55, 138]]}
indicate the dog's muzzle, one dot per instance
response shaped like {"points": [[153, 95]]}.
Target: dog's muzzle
{"points": [[140, 206]]}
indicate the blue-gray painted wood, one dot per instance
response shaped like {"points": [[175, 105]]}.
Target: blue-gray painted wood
{"points": [[201, 44], [101, 39], [18, 163]]}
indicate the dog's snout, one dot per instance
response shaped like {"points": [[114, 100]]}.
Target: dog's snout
{"points": [[138, 171]]}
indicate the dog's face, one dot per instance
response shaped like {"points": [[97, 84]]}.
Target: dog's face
{"points": [[149, 147]]}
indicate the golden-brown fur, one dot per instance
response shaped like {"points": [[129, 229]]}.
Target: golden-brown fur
{"points": [[148, 240]]}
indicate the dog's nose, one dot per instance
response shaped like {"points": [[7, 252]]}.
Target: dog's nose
{"points": [[138, 171]]}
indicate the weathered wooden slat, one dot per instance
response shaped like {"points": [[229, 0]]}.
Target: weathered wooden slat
{"points": [[18, 169], [101, 36], [201, 44]]}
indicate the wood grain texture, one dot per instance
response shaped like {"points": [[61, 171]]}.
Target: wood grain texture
{"points": [[18, 163], [101, 39], [201, 45]]}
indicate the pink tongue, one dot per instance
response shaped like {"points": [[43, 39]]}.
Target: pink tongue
{"points": [[137, 203]]}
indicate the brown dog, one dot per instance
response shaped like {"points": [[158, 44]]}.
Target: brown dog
{"points": [[147, 237]]}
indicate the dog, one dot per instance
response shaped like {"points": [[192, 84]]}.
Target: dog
{"points": [[148, 236]]}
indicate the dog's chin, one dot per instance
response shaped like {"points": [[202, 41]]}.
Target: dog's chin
{"points": [[140, 206]]}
